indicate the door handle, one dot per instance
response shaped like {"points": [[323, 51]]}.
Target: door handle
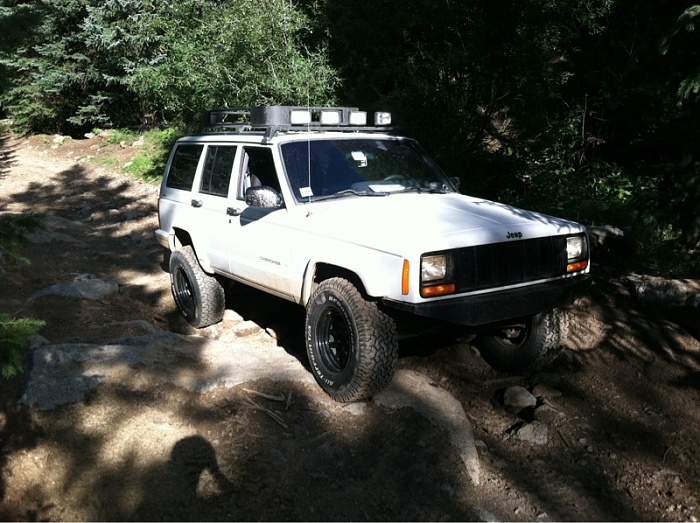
{"points": [[196, 203], [232, 211]]}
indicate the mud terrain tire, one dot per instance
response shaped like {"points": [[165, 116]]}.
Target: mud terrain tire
{"points": [[533, 346], [199, 296], [352, 345]]}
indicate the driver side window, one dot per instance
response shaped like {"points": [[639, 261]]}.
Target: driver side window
{"points": [[257, 168]]}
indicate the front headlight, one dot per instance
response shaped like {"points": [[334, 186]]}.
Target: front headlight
{"points": [[436, 275], [576, 253], [433, 268], [575, 247]]}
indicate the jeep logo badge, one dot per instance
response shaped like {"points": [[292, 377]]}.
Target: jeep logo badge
{"points": [[511, 235]]}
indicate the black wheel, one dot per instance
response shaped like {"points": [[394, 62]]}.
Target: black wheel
{"points": [[529, 345], [198, 295], [352, 345]]}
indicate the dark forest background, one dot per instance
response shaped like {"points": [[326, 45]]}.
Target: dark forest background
{"points": [[586, 109]]}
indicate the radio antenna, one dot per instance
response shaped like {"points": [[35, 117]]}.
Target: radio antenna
{"points": [[308, 141]]}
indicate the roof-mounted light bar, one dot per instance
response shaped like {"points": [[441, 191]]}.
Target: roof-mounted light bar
{"points": [[272, 119]]}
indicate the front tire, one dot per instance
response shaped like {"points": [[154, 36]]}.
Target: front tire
{"points": [[199, 296], [352, 345], [531, 345]]}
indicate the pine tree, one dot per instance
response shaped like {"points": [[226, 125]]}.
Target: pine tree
{"points": [[687, 56]]}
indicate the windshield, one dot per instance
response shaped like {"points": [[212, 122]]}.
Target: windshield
{"points": [[361, 166]]}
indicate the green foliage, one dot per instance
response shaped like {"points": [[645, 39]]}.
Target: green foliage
{"points": [[13, 342], [149, 163], [14, 229], [237, 54], [137, 63], [686, 56], [661, 250], [117, 136], [14, 332]]}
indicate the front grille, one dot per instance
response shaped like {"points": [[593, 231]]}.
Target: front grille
{"points": [[509, 263]]}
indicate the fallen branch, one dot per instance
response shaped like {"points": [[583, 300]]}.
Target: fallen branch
{"points": [[270, 413], [266, 396]]}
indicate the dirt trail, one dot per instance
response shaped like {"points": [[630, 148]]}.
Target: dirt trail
{"points": [[614, 433]]}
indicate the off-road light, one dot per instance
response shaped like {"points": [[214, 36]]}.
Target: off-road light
{"points": [[382, 118], [433, 268], [358, 118], [299, 117], [330, 117]]}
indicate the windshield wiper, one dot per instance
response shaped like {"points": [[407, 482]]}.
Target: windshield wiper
{"points": [[431, 190], [349, 192]]}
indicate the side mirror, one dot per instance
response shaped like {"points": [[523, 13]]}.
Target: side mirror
{"points": [[264, 197], [456, 181]]}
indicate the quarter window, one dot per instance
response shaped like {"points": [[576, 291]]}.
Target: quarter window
{"points": [[184, 166]]}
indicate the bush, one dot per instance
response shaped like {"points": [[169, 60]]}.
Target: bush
{"points": [[149, 162]]}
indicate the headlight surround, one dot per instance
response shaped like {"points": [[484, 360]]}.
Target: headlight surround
{"points": [[433, 268]]}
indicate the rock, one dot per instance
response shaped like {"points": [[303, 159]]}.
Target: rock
{"points": [[91, 289], [535, 433], [518, 397], [232, 316], [62, 374], [36, 340], [608, 243], [653, 290], [356, 409], [246, 328], [415, 390], [546, 391]]}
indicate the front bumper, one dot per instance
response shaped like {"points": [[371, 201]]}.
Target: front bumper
{"points": [[492, 307]]}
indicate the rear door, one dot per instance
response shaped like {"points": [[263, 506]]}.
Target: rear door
{"points": [[175, 203], [210, 203]]}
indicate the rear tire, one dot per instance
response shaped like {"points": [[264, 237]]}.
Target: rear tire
{"points": [[199, 296], [534, 345], [352, 345]]}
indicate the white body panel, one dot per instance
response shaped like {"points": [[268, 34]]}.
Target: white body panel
{"points": [[277, 250]]}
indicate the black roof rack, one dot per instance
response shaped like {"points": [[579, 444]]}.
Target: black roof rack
{"points": [[270, 119]]}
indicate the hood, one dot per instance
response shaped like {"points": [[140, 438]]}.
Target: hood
{"points": [[430, 222]]}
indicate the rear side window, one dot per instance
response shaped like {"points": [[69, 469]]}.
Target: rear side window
{"points": [[217, 170], [184, 166]]}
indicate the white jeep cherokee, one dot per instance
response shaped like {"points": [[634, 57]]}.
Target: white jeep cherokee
{"points": [[363, 229]]}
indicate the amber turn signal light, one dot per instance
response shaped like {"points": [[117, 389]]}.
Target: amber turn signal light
{"points": [[578, 266], [437, 290]]}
